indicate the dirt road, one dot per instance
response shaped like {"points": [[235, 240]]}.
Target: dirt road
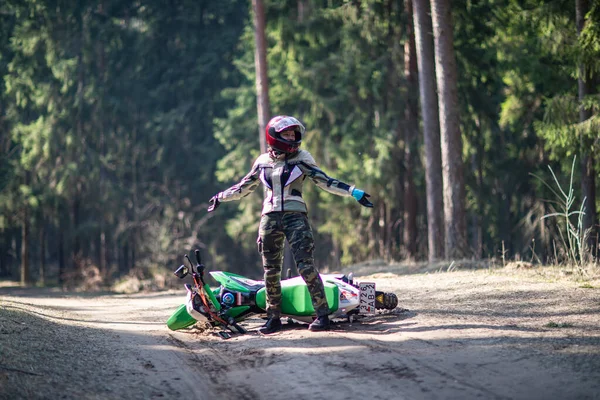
{"points": [[491, 334]]}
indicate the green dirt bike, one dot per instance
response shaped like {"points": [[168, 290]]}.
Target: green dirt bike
{"points": [[238, 298]]}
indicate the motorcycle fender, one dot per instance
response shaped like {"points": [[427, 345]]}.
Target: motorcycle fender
{"points": [[180, 319]]}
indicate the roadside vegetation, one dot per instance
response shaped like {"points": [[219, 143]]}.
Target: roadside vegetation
{"points": [[119, 120]]}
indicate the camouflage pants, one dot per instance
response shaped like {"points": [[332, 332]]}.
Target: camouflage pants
{"points": [[274, 228]]}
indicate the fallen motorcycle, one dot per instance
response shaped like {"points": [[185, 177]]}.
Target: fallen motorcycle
{"points": [[238, 298]]}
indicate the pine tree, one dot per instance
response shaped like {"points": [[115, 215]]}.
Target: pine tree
{"points": [[451, 141]]}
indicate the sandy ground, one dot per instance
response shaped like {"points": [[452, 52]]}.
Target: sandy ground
{"points": [[487, 334]]}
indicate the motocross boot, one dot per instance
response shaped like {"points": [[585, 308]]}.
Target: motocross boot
{"points": [[320, 324], [271, 326]]}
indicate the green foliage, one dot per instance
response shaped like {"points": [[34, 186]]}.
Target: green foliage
{"points": [[339, 68], [112, 108], [589, 40], [119, 120], [332, 70]]}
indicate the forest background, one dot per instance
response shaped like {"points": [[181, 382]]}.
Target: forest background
{"points": [[119, 119]]}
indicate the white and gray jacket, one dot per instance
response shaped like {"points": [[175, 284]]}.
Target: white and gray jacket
{"points": [[283, 180]]}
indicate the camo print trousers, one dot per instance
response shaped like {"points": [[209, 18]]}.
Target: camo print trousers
{"points": [[274, 228]]}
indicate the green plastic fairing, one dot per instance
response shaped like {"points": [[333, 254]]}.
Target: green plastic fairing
{"points": [[180, 319], [235, 311], [235, 282], [295, 299]]}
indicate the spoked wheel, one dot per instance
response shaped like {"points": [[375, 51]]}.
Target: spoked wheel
{"points": [[386, 301]]}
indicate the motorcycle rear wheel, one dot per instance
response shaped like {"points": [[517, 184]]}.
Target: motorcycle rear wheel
{"points": [[389, 301]]}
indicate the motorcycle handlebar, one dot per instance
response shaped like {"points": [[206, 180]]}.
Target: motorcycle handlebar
{"points": [[199, 266], [190, 261]]}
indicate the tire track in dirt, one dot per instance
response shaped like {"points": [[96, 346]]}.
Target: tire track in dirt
{"points": [[212, 364], [468, 336], [124, 349]]}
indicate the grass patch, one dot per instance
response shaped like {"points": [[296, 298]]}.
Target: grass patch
{"points": [[587, 286]]}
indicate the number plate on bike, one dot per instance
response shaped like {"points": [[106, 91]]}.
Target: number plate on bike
{"points": [[367, 298]]}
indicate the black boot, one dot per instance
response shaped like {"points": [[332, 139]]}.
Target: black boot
{"points": [[271, 326], [320, 324]]}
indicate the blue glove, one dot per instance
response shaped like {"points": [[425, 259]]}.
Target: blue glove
{"points": [[362, 197]]}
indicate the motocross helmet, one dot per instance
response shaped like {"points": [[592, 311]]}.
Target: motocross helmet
{"points": [[279, 124]]}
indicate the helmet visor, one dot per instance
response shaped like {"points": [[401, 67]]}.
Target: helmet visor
{"points": [[288, 123]]}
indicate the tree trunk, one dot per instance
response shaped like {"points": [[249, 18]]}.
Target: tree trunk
{"points": [[61, 254], [411, 129], [81, 84], [397, 210], [3, 267], [589, 193], [260, 62], [75, 242], [588, 183], [124, 258], [385, 237], [102, 248], [455, 225], [477, 170], [303, 10], [263, 106], [42, 277], [476, 217], [431, 128], [25, 275], [134, 233], [504, 218]]}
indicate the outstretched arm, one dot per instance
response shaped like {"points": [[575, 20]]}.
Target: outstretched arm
{"points": [[331, 185], [241, 189]]}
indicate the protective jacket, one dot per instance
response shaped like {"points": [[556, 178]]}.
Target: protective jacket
{"points": [[283, 180]]}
